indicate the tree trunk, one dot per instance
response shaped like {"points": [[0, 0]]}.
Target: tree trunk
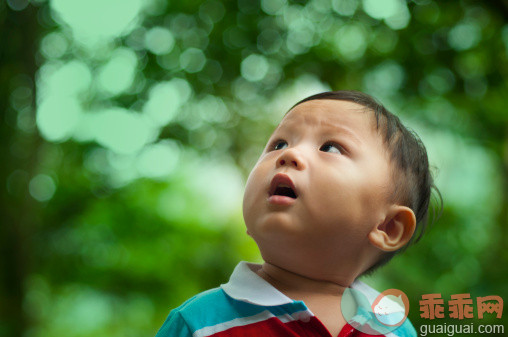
{"points": [[19, 30]]}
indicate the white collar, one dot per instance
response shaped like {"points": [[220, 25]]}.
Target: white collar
{"points": [[247, 286]]}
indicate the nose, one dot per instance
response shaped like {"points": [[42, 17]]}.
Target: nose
{"points": [[291, 157]]}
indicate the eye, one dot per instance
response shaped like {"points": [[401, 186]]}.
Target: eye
{"points": [[332, 148], [279, 145]]}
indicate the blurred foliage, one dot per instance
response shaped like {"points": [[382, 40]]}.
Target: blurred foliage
{"points": [[128, 128]]}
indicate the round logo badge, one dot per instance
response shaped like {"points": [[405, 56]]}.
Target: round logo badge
{"points": [[375, 316]]}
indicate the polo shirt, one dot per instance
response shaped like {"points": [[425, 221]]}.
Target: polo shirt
{"points": [[250, 306]]}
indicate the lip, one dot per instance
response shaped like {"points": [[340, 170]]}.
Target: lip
{"points": [[281, 200], [278, 179]]}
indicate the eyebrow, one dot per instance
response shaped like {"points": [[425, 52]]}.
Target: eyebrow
{"points": [[345, 130]]}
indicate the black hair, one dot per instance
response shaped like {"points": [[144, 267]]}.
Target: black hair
{"points": [[413, 181]]}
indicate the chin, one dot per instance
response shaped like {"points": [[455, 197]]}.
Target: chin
{"points": [[277, 228]]}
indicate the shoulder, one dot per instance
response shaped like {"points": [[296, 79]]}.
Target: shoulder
{"points": [[202, 300], [209, 308], [181, 321]]}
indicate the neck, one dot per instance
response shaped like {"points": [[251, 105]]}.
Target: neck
{"points": [[298, 286]]}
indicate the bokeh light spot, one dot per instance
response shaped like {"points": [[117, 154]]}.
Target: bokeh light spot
{"points": [[165, 99], [96, 20], [54, 45], [21, 98], [158, 160], [439, 81], [92, 308], [385, 79], [384, 40], [155, 7], [464, 36], [273, 7], [122, 131], [57, 117], [254, 67], [42, 187], [219, 182], [269, 41], [212, 9], [159, 40], [60, 80], [192, 60], [117, 75], [17, 5], [300, 36], [394, 12], [380, 9], [351, 42], [345, 7], [213, 110]]}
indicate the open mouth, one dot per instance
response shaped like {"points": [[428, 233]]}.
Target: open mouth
{"points": [[282, 185], [285, 191]]}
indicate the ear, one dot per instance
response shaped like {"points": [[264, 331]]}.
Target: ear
{"points": [[395, 231]]}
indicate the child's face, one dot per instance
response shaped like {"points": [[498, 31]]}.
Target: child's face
{"points": [[332, 153]]}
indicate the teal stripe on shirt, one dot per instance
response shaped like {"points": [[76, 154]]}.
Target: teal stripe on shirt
{"points": [[214, 306]]}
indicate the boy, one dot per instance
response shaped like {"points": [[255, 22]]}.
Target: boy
{"points": [[340, 188]]}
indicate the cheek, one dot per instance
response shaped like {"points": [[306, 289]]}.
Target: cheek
{"points": [[248, 199], [253, 189], [334, 191], [342, 202]]}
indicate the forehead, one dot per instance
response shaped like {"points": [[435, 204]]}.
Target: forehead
{"points": [[331, 114]]}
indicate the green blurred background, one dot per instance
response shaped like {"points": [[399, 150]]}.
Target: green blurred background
{"points": [[128, 128]]}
